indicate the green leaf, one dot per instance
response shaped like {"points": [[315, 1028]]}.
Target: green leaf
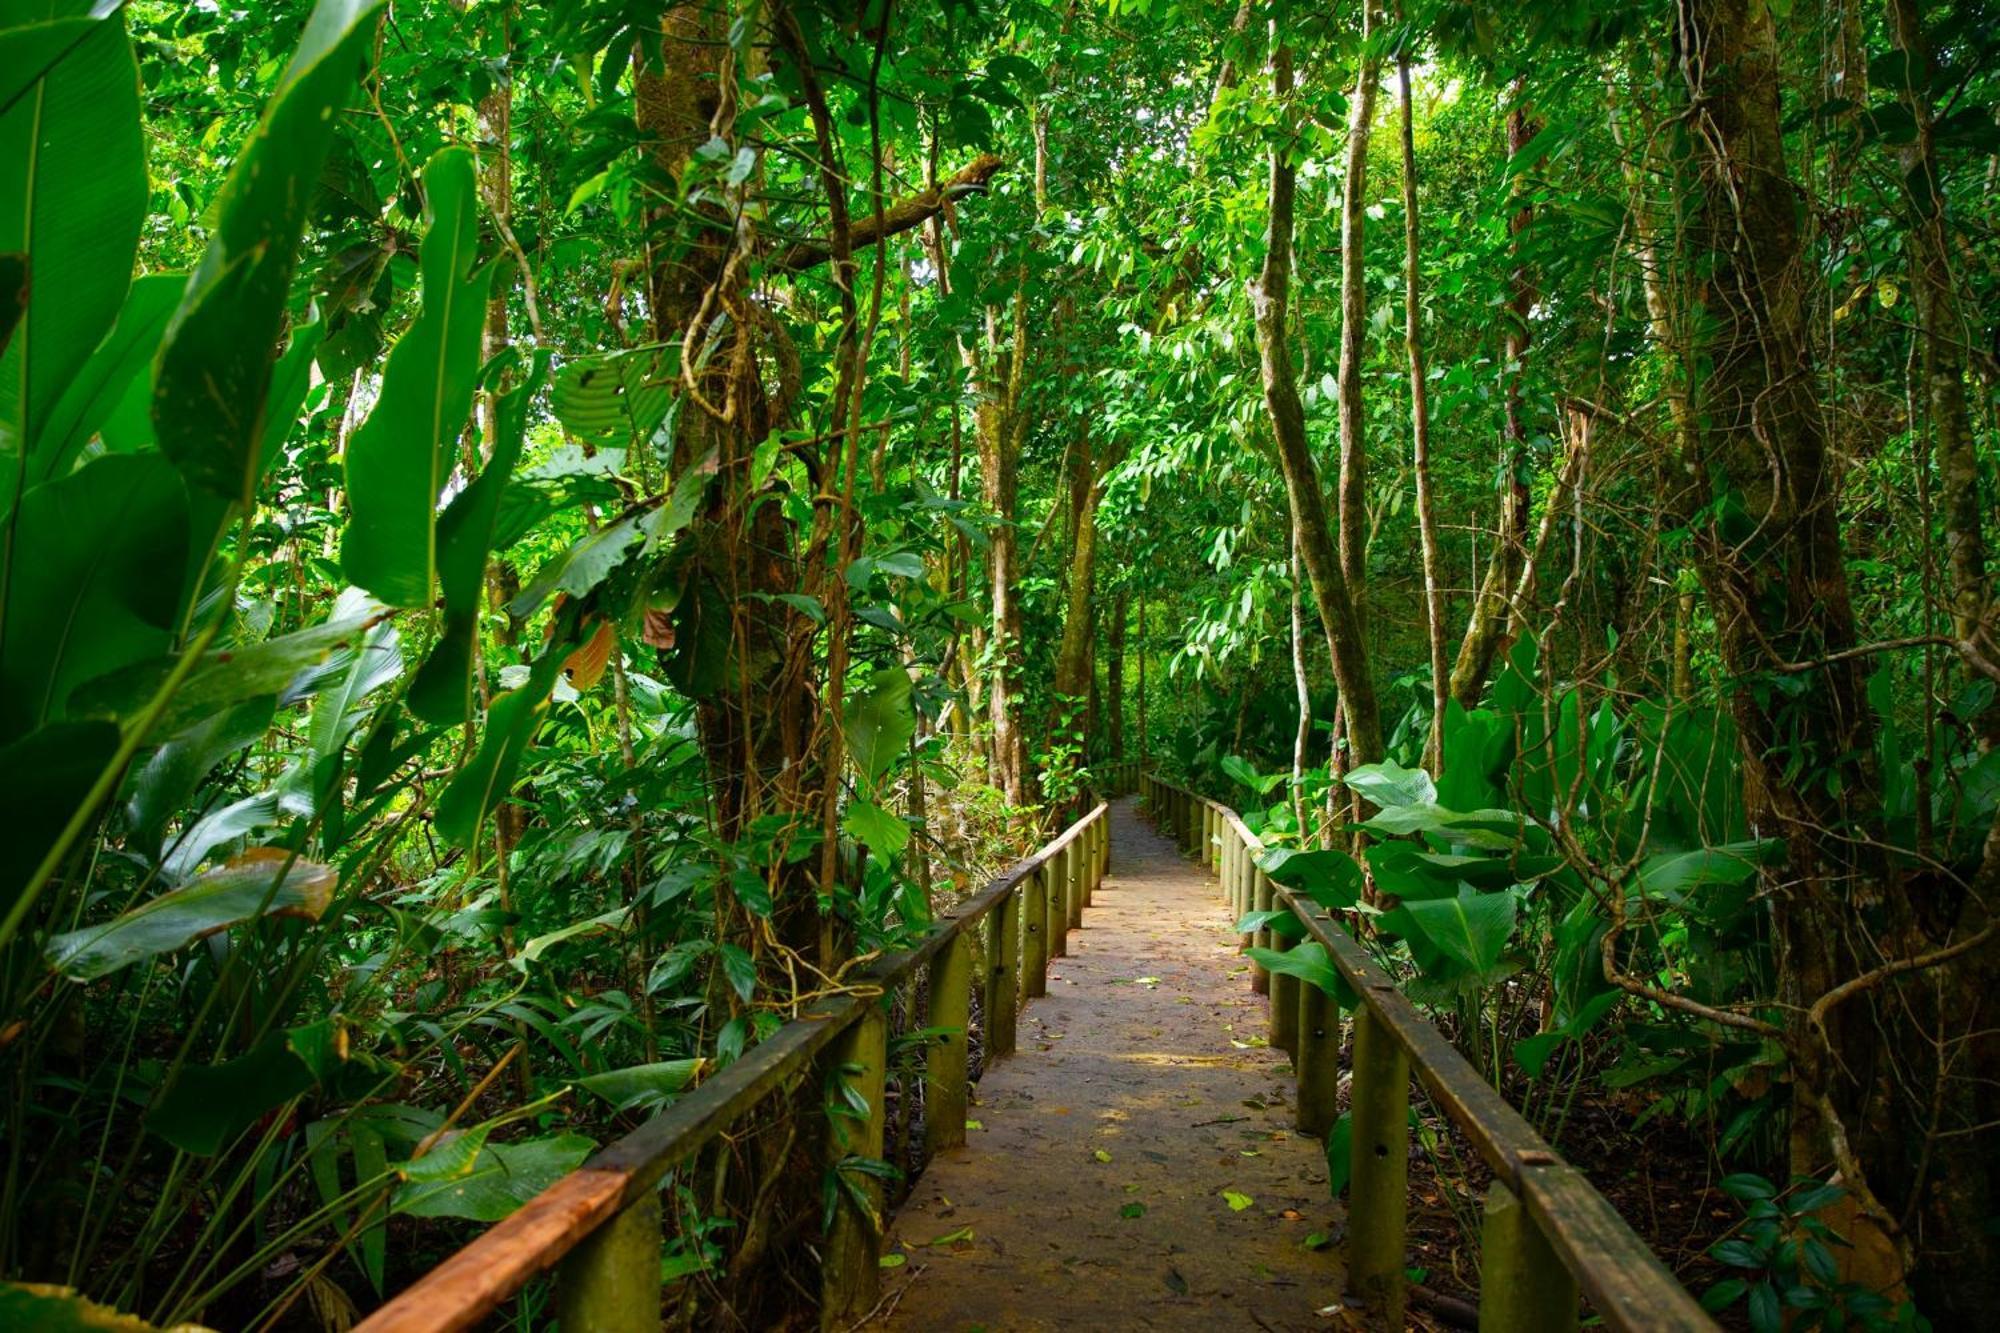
{"points": [[882, 831], [52, 1309], [44, 777], [442, 692], [72, 200], [503, 1177], [97, 387], [532, 951], [1471, 929], [209, 1105], [1340, 1154], [617, 399], [1329, 877], [740, 968], [1672, 875], [880, 722], [582, 567], [1308, 962], [510, 726], [1237, 1202], [214, 377], [259, 882], [1388, 785], [109, 545], [292, 665], [642, 1087], [401, 457]]}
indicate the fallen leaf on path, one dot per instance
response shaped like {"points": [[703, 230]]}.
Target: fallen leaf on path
{"points": [[1175, 1282], [892, 1260], [1101, 1155], [958, 1237], [1132, 1210], [974, 1124], [1237, 1202]]}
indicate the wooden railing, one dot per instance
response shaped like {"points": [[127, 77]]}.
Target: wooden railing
{"points": [[600, 1226], [1547, 1234]]}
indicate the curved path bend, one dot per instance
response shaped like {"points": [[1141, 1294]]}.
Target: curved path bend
{"points": [[1105, 1186]]}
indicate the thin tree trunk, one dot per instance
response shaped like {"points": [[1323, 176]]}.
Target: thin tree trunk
{"points": [[1420, 429], [1493, 617], [1270, 296], [1114, 675], [1354, 323]]}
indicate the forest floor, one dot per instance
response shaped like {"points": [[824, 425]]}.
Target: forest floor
{"points": [[1134, 1165]]}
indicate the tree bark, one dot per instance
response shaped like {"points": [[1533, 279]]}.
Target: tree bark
{"points": [[1270, 298], [1492, 612], [1354, 323], [1420, 430]]}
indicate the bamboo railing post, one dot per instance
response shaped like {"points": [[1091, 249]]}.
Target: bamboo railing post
{"points": [[1090, 861], [1260, 901], [1379, 1179], [850, 1271], [1035, 933], [610, 1283], [1058, 884], [1078, 878], [1003, 974], [1523, 1286], [951, 1017], [1317, 1058], [1285, 1014]]}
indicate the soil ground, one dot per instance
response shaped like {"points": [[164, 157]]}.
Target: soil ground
{"points": [[1135, 1164]]}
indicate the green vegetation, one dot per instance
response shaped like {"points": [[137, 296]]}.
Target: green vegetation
{"points": [[534, 538]]}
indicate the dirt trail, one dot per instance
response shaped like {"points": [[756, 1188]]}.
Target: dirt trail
{"points": [[1148, 1051]]}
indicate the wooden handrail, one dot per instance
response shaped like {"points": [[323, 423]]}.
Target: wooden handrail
{"points": [[1548, 1234], [601, 1222]]}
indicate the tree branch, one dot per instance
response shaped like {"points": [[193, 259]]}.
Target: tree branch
{"points": [[901, 216]]}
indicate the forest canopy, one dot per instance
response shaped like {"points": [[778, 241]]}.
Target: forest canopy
{"points": [[536, 539]]}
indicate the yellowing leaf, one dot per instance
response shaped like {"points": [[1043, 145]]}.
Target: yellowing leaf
{"points": [[1101, 1155]]}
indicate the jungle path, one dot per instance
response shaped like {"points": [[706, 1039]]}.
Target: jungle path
{"points": [[1104, 1187]]}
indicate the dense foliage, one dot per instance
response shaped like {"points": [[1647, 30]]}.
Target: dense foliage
{"points": [[532, 538]]}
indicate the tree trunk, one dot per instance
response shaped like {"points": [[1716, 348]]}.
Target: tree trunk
{"points": [[1114, 676], [1420, 435], [1270, 297], [1492, 612], [1354, 323]]}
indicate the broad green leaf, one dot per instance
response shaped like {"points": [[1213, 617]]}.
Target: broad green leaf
{"points": [[1495, 830], [171, 775], [1673, 875], [402, 455], [740, 969], [118, 361], [211, 390], [869, 823], [617, 399], [442, 691], [1327, 876], [1280, 920], [1388, 784], [510, 725], [209, 1105], [289, 667], [613, 920], [582, 567], [642, 1087], [1471, 929], [109, 544], [1240, 769], [72, 200], [503, 1177], [1308, 962], [1340, 1154], [880, 722], [44, 777], [376, 662], [259, 882], [52, 1309]]}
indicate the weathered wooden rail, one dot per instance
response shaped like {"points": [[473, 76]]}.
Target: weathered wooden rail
{"points": [[1547, 1234], [600, 1227]]}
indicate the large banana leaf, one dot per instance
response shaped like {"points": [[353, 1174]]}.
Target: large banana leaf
{"points": [[401, 457], [72, 200], [214, 378], [107, 548], [257, 883]]}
